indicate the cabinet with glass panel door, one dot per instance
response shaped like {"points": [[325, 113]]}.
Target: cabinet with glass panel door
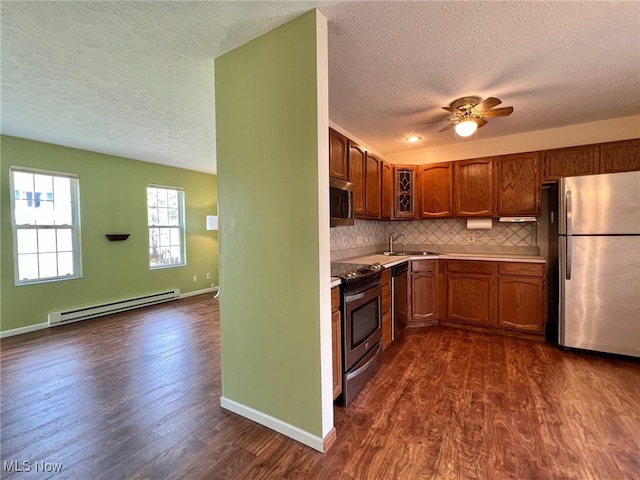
{"points": [[404, 192]]}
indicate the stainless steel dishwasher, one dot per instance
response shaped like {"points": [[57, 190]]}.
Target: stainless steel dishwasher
{"points": [[399, 282]]}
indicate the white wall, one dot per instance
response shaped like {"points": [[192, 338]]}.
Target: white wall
{"points": [[587, 133]]}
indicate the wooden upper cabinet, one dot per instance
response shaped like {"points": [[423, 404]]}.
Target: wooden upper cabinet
{"points": [[357, 177], [570, 162], [338, 148], [620, 156], [404, 189], [386, 191], [436, 190], [517, 184], [473, 187], [373, 166]]}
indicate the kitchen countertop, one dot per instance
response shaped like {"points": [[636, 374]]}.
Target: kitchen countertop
{"points": [[335, 281], [389, 261]]}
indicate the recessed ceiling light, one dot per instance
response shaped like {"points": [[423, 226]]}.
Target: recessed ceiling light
{"points": [[413, 139]]}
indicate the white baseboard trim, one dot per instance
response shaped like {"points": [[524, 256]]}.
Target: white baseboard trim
{"points": [[273, 423], [21, 330], [197, 292], [41, 326]]}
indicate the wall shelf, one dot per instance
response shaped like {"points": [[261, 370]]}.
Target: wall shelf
{"points": [[117, 237]]}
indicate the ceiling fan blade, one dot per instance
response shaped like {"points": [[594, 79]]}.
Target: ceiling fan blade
{"points": [[438, 121], [498, 112], [481, 122], [451, 109], [447, 127], [487, 103]]}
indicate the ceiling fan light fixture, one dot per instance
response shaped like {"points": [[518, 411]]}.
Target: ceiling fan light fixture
{"points": [[466, 128]]}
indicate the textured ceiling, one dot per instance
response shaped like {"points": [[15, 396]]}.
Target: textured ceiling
{"points": [[135, 79], [393, 65]]}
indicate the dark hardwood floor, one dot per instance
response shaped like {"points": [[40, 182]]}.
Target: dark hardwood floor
{"points": [[136, 396]]}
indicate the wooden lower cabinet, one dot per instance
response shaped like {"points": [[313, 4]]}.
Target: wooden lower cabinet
{"points": [[336, 336], [387, 327], [422, 293], [501, 296], [470, 298], [520, 303]]}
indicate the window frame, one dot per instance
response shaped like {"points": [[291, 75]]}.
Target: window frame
{"points": [[75, 226], [181, 226]]}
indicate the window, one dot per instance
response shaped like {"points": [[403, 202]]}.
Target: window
{"points": [[165, 206], [46, 227]]}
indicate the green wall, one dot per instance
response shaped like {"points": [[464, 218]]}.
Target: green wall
{"points": [[267, 153], [112, 200]]}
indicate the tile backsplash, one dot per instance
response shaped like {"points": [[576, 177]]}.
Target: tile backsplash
{"points": [[364, 233], [367, 234]]}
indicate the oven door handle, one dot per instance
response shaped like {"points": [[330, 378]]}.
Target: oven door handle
{"points": [[372, 357], [364, 292], [356, 296]]}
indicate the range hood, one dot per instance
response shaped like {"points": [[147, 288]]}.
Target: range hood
{"points": [[517, 219]]}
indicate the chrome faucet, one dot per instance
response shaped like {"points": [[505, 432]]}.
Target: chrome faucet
{"points": [[404, 243]]}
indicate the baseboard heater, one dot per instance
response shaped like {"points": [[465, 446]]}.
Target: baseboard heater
{"points": [[77, 314]]}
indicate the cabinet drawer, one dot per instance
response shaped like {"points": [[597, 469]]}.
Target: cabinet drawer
{"points": [[423, 265], [468, 266], [335, 299], [526, 269], [386, 298]]}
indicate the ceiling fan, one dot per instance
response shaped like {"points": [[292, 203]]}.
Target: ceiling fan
{"points": [[469, 114]]}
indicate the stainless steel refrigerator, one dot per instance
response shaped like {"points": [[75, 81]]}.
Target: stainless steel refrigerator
{"points": [[599, 263]]}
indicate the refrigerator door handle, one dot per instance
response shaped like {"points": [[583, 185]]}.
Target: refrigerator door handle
{"points": [[569, 231]]}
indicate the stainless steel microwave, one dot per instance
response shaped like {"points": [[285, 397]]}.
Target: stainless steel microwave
{"points": [[341, 197]]}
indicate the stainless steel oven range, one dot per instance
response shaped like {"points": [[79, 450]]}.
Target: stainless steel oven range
{"points": [[361, 325]]}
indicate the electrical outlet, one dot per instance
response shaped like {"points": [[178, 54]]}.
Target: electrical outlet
{"points": [[195, 278], [471, 237], [208, 276], [345, 242], [360, 240]]}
